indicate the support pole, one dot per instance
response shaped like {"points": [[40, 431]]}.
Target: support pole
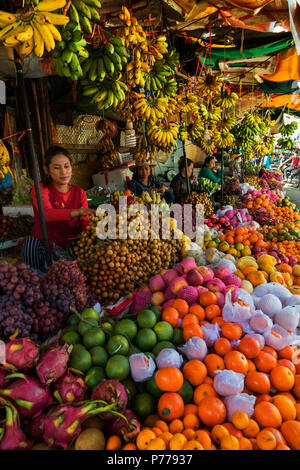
{"points": [[188, 183], [222, 175], [32, 155]]}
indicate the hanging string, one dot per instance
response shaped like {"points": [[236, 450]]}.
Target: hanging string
{"points": [[17, 133]]}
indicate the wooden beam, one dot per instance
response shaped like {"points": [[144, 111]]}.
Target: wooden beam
{"points": [[77, 148]]}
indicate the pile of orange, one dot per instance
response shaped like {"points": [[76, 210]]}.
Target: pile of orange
{"points": [[244, 235], [261, 201], [285, 214], [290, 248]]}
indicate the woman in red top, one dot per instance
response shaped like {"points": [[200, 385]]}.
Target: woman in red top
{"points": [[65, 208]]}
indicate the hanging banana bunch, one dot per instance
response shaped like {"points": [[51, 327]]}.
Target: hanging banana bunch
{"points": [[33, 30], [84, 12], [195, 130], [158, 47], [187, 103], [136, 70], [139, 152], [228, 123], [4, 161], [182, 132], [227, 99], [150, 109], [288, 129], [223, 139], [209, 85], [163, 136], [132, 33], [208, 146]]}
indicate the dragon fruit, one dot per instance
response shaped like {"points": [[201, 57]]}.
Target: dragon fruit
{"points": [[70, 388], [35, 427], [127, 430], [21, 353], [113, 392], [53, 364], [28, 394], [64, 422], [3, 374], [11, 435]]}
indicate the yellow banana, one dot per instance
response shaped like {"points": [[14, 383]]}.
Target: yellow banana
{"points": [[11, 42], [9, 30], [50, 5], [27, 47], [46, 35], [56, 19], [39, 44], [7, 18], [54, 31], [26, 34]]}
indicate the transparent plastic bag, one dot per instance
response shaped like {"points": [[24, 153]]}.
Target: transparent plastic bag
{"points": [[169, 358], [227, 382], [235, 311], [226, 263], [194, 348], [222, 212], [260, 322], [273, 288], [260, 338], [211, 333], [141, 367], [288, 318], [240, 402], [279, 338], [22, 191], [270, 304]]}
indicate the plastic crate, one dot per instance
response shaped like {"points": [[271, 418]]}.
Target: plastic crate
{"points": [[14, 211]]}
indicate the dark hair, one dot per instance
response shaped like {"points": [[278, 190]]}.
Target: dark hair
{"points": [[208, 160], [181, 165], [50, 153]]}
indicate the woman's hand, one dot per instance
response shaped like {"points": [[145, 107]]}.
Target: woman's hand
{"points": [[163, 189], [83, 212]]}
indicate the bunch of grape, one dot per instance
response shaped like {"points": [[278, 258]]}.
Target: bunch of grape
{"points": [[20, 283], [65, 286], [46, 320], [13, 316]]}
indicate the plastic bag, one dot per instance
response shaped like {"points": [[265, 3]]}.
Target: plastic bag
{"points": [[273, 288], [240, 402], [169, 358], [226, 263], [288, 318], [222, 212], [279, 338], [293, 300], [228, 382], [194, 348], [269, 304], [141, 367], [22, 192], [211, 333], [261, 323], [245, 297], [235, 311]]}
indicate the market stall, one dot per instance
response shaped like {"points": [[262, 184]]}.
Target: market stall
{"points": [[153, 326]]}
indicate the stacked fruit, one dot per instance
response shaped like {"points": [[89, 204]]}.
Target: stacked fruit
{"points": [[201, 199], [281, 232], [237, 242], [14, 227], [34, 30], [205, 185], [84, 12], [69, 53]]}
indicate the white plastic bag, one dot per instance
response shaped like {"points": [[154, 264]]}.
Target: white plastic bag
{"points": [[269, 304], [141, 367], [260, 322], [211, 332], [169, 358], [288, 318], [226, 263], [240, 402], [194, 348], [234, 311], [273, 288], [227, 382], [220, 212], [279, 338]]}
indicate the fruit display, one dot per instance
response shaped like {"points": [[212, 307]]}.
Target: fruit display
{"points": [[34, 31], [38, 307], [200, 199], [288, 129], [15, 227], [205, 185], [84, 12], [163, 136], [150, 109]]}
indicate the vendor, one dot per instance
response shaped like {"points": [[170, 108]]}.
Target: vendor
{"points": [[209, 170], [179, 182], [65, 208], [143, 180]]}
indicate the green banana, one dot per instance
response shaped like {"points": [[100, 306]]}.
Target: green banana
{"points": [[86, 24], [93, 71], [73, 13], [93, 3], [101, 69], [83, 8], [95, 14], [67, 56], [109, 66]]}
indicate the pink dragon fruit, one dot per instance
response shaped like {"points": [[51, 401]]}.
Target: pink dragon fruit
{"points": [[127, 430], [53, 364], [35, 427], [21, 353], [3, 374], [64, 422], [28, 395], [70, 388], [11, 435], [111, 391]]}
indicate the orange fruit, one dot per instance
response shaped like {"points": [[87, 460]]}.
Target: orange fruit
{"points": [[211, 411], [213, 363], [222, 346], [181, 306], [207, 298], [171, 315], [236, 361], [194, 371], [282, 378], [203, 390]]}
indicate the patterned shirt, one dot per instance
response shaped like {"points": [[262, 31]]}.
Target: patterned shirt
{"points": [[137, 187]]}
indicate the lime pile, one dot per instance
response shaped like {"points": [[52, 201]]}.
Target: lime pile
{"points": [[102, 347]]}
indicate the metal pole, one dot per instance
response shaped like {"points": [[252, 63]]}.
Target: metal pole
{"points": [[32, 155], [222, 175], [188, 183]]}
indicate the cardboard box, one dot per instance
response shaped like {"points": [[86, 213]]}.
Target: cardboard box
{"points": [[116, 178]]}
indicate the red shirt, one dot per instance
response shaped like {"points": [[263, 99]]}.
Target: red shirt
{"points": [[57, 208], [295, 162]]}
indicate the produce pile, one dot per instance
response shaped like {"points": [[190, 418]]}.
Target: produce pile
{"points": [[15, 227]]}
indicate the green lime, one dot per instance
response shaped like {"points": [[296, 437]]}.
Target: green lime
{"points": [[126, 328], [117, 367], [162, 345], [152, 388], [117, 344], [130, 387], [164, 331], [186, 392], [107, 327], [144, 404], [99, 356], [71, 328], [73, 319], [90, 313], [71, 337], [133, 350], [80, 359], [146, 319], [94, 376], [156, 310], [85, 325], [146, 339], [178, 338], [93, 337]]}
